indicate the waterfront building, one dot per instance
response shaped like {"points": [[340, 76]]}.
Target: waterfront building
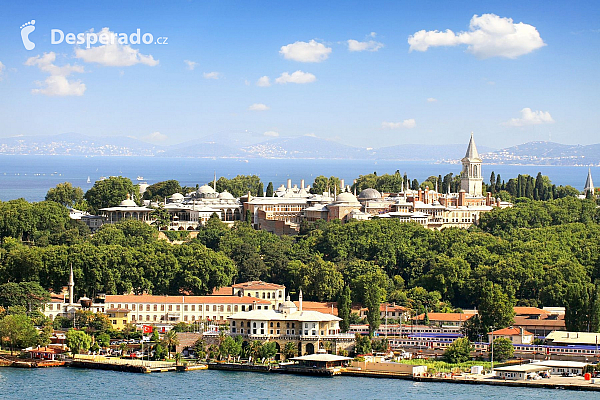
{"points": [[271, 292], [521, 372], [515, 335], [560, 367], [567, 338], [389, 310], [119, 317], [310, 330], [443, 320]]}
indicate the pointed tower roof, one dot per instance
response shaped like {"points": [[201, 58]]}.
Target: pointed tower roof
{"points": [[71, 280], [472, 153], [589, 184]]}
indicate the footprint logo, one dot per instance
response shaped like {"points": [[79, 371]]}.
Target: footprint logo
{"points": [[26, 29]]}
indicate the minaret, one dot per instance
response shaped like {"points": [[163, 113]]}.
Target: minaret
{"points": [[589, 184], [215, 182], [300, 300], [470, 179], [71, 286]]}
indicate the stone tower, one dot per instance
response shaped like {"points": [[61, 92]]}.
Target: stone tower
{"points": [[589, 184], [470, 178]]}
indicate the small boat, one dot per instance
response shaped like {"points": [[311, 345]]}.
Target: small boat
{"points": [[140, 178], [89, 180]]}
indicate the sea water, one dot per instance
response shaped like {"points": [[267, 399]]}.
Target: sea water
{"points": [[30, 177], [73, 384]]}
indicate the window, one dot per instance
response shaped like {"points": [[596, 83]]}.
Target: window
{"points": [[262, 324], [162, 307], [170, 307], [215, 308], [114, 322], [133, 307], [229, 308], [278, 331], [271, 324], [248, 324], [221, 308], [232, 330], [271, 331], [193, 307], [254, 324], [262, 331], [185, 308], [278, 325], [232, 323], [147, 307], [207, 308], [235, 308], [193, 317], [155, 317], [156, 307], [147, 318], [185, 317], [243, 308], [178, 307]]}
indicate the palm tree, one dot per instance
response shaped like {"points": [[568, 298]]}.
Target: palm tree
{"points": [[290, 350], [178, 358], [255, 347], [170, 340], [123, 347]]}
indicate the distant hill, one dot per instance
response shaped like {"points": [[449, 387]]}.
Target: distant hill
{"points": [[546, 153], [244, 144]]}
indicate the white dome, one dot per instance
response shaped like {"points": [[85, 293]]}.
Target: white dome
{"points": [[176, 196], [205, 189], [128, 202], [226, 196], [346, 197]]}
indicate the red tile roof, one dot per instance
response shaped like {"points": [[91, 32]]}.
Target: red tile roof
{"points": [[555, 324], [510, 332], [223, 291], [320, 306], [258, 285], [454, 317], [147, 298]]}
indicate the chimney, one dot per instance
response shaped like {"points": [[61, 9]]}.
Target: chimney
{"points": [[488, 199], [420, 195], [289, 183], [302, 184], [426, 195], [462, 197]]}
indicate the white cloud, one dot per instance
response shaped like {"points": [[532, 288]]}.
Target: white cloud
{"points": [[212, 75], [1, 70], [263, 81], [155, 137], [367, 45], [271, 133], [530, 117], [432, 100], [296, 77], [489, 36], [114, 54], [57, 83], [407, 123], [305, 52], [258, 107], [190, 64]]}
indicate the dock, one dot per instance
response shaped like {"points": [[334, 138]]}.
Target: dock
{"points": [[130, 365]]}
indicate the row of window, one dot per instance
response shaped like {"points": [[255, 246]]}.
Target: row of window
{"points": [[177, 307], [157, 318]]}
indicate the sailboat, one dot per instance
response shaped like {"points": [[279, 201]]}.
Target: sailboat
{"points": [[89, 180]]}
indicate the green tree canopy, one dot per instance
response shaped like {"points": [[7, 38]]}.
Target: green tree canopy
{"points": [[65, 194], [109, 192]]}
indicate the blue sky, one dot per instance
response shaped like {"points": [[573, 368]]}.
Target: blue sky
{"points": [[508, 82]]}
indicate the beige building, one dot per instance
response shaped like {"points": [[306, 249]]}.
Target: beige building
{"points": [[515, 335], [310, 330], [271, 292]]}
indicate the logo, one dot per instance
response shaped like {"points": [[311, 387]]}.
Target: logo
{"points": [[26, 29]]}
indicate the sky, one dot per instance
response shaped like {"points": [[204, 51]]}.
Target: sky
{"points": [[367, 74]]}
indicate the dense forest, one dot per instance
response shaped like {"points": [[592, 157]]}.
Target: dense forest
{"points": [[539, 253]]}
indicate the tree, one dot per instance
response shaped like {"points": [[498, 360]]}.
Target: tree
{"points": [[65, 194], [108, 192], [161, 217], [269, 190], [503, 349], [200, 349], [268, 350], [160, 352], [290, 349], [170, 340], [78, 341], [495, 308], [103, 340], [362, 344], [161, 190], [458, 351], [30, 295], [344, 305], [230, 347], [19, 330], [124, 347]]}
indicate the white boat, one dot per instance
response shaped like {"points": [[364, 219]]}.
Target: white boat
{"points": [[89, 180], [140, 178]]}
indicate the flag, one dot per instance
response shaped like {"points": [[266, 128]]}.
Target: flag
{"points": [[146, 329]]}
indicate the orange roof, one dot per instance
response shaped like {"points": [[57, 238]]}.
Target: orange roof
{"points": [[223, 291], [258, 285], [391, 307], [529, 311], [454, 317], [510, 332], [148, 298], [50, 350], [554, 323], [320, 306]]}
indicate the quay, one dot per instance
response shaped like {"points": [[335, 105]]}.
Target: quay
{"points": [[124, 365]]}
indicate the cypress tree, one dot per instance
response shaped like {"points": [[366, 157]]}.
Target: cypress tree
{"points": [[269, 190]]}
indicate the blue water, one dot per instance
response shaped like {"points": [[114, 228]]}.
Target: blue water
{"points": [[30, 177], [72, 384]]}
